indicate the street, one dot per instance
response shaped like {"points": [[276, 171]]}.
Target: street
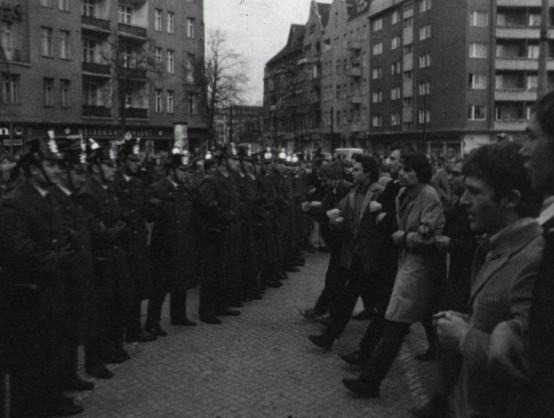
{"points": [[259, 364]]}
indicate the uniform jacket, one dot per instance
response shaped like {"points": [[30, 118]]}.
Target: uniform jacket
{"points": [[501, 289], [413, 286]]}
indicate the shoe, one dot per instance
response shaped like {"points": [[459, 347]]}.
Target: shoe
{"points": [[140, 337], [116, 356], [79, 384], [257, 296], [156, 331], [427, 356], [226, 312], [354, 358], [361, 388], [437, 407], [309, 314], [210, 320], [363, 315], [324, 249], [64, 409], [323, 341], [99, 371], [123, 354], [282, 276], [311, 249], [324, 320], [275, 284], [292, 269], [184, 322], [236, 304]]}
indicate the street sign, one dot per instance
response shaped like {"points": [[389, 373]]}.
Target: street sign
{"points": [[12, 142]]}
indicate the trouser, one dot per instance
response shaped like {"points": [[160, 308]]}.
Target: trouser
{"points": [[178, 305], [154, 313], [211, 298], [359, 282], [335, 278], [380, 362]]}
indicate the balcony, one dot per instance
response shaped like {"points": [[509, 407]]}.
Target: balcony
{"points": [[522, 32], [357, 100], [354, 45], [131, 31], [356, 71], [520, 95], [518, 3], [133, 74], [93, 68], [16, 56], [95, 24], [510, 125], [136, 113], [97, 111], [524, 64]]}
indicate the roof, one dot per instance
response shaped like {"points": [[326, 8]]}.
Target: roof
{"points": [[377, 6], [357, 7], [294, 43], [324, 9]]}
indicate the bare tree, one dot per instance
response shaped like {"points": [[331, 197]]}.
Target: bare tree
{"points": [[225, 76]]}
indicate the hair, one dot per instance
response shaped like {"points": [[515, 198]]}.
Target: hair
{"points": [[544, 112], [332, 171], [369, 164], [502, 168], [419, 163]]}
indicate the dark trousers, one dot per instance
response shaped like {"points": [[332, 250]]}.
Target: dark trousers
{"points": [[385, 352], [358, 282], [154, 313], [178, 305], [335, 278]]}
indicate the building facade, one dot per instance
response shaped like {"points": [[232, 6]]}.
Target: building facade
{"points": [[240, 124], [102, 68]]}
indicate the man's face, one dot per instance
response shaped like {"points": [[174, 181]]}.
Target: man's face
{"points": [[233, 164], [108, 172], [456, 179], [394, 161], [248, 167], [538, 151], [78, 178], [358, 173], [181, 174], [52, 171], [328, 184], [483, 211], [132, 165], [407, 176]]}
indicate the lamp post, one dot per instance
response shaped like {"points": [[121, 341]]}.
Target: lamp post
{"points": [[272, 120]]}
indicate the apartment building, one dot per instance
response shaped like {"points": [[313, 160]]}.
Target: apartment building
{"points": [[450, 75], [101, 67]]}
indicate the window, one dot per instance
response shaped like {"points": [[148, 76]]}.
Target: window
{"points": [[424, 61], [424, 88], [170, 61], [424, 32], [90, 95], [190, 28], [89, 50], [534, 19], [170, 101], [377, 97], [338, 92], [377, 121], [395, 18], [532, 82], [533, 52], [125, 15], [395, 93], [408, 75], [170, 22], [48, 89], [158, 20], [158, 54], [478, 19], [424, 116], [337, 117], [408, 49], [378, 49], [65, 49], [478, 50], [395, 119], [46, 44], [408, 22], [189, 66], [63, 5], [477, 112], [477, 81], [127, 56], [159, 100], [64, 92], [10, 89], [424, 5], [395, 42], [376, 73], [407, 102], [395, 68], [193, 104], [46, 3], [88, 8], [377, 25], [6, 37]]}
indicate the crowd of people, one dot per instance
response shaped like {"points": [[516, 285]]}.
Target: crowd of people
{"points": [[88, 233]]}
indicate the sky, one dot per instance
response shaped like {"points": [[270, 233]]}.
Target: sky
{"points": [[257, 29]]}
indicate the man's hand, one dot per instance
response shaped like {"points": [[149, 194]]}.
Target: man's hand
{"points": [[375, 206], [452, 328], [305, 206], [398, 238], [508, 355]]}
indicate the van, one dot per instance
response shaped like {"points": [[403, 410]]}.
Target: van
{"points": [[347, 153]]}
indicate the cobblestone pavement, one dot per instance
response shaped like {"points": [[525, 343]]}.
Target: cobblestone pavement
{"points": [[259, 364]]}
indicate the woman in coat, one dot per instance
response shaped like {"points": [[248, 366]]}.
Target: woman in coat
{"points": [[420, 218]]}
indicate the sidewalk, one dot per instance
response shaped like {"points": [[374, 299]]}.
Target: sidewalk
{"points": [[259, 364]]}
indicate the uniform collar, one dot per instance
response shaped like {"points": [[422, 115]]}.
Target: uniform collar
{"points": [[547, 212], [63, 189]]}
